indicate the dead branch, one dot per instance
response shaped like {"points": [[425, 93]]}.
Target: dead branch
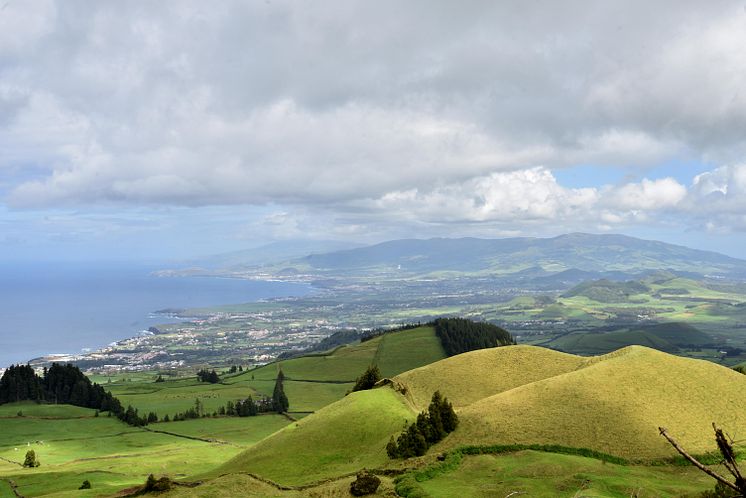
{"points": [[696, 463]]}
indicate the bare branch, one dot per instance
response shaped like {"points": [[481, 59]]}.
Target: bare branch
{"points": [[696, 463], [729, 455]]}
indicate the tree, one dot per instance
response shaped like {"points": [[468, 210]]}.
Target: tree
{"points": [[31, 460], [208, 376], [86, 485], [280, 402], [368, 379], [429, 428], [448, 416], [725, 445]]}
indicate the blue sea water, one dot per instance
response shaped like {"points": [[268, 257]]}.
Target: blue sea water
{"points": [[64, 308]]}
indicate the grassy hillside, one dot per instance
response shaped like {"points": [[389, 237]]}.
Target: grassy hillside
{"points": [[523, 395], [607, 291], [343, 437], [613, 404], [467, 378], [594, 343]]}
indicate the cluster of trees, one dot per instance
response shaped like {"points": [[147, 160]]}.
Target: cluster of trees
{"points": [[430, 427], [459, 335], [132, 417], [248, 407], [65, 384], [235, 368], [61, 384], [210, 376], [368, 379]]}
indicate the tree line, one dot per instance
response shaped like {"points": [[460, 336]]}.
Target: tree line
{"points": [[459, 335], [430, 427], [64, 384]]}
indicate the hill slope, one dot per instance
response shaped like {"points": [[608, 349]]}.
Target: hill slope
{"points": [[517, 395], [340, 438], [591, 253], [614, 404]]}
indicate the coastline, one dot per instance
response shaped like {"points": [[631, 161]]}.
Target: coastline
{"points": [[75, 327]]}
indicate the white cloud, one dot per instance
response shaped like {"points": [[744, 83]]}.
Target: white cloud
{"points": [[371, 113], [647, 195], [533, 196]]}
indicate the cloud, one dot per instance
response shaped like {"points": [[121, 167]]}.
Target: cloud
{"points": [[437, 113], [533, 196]]}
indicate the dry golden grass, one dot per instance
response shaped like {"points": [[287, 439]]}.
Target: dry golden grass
{"points": [[467, 378], [614, 404]]}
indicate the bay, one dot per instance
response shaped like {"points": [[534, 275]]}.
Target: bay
{"points": [[63, 308]]}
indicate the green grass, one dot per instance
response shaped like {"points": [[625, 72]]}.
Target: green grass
{"points": [[406, 350], [31, 409], [544, 474], [343, 437], [113, 455], [240, 431], [614, 404], [591, 343]]}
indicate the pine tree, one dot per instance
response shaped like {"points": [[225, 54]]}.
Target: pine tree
{"points": [[447, 414], [280, 402], [368, 379], [31, 460], [392, 449]]}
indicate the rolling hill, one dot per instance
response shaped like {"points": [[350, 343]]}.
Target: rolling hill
{"points": [[526, 395]]}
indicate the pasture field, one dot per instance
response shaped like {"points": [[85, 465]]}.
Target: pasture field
{"points": [[531, 473], [75, 445], [312, 382], [238, 431]]}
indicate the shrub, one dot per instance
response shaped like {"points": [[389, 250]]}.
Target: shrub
{"points": [[86, 485], [368, 379], [31, 461], [365, 484]]}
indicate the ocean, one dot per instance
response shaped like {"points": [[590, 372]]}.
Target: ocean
{"points": [[64, 308]]}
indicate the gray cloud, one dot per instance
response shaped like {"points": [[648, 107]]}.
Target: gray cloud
{"points": [[350, 106]]}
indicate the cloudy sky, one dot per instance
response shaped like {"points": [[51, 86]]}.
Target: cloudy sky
{"points": [[178, 128]]}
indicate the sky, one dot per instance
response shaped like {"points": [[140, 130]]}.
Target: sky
{"points": [[165, 130]]}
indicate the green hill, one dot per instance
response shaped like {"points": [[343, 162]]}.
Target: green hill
{"points": [[467, 378], [526, 395], [667, 337], [607, 291], [613, 404], [346, 436]]}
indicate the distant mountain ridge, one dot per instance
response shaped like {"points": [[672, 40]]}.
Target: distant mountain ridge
{"points": [[576, 254]]}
